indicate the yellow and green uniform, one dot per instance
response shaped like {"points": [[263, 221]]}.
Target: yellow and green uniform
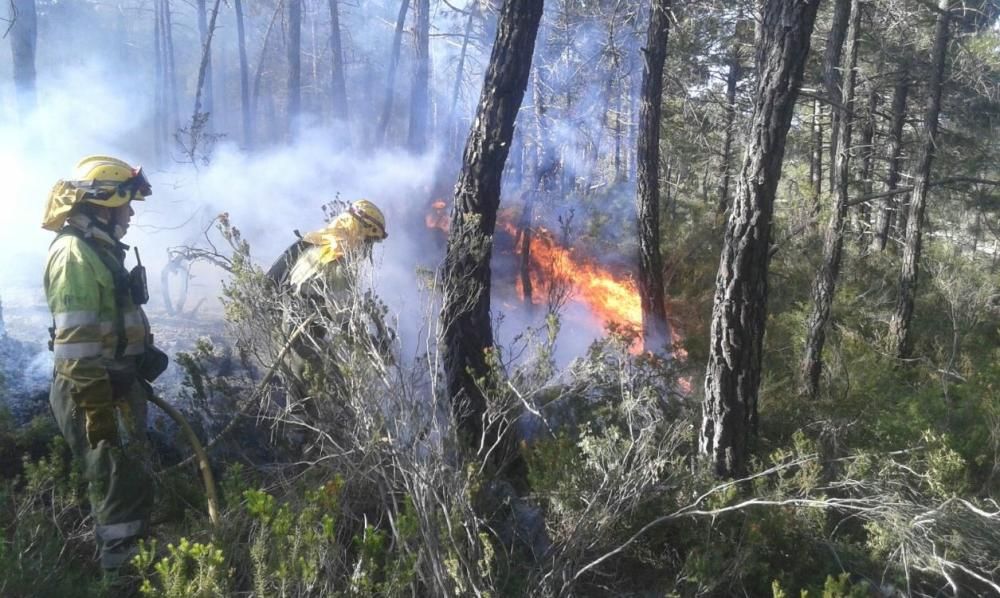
{"points": [[97, 396], [309, 285]]}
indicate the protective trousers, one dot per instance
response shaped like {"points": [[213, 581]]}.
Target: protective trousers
{"points": [[118, 473]]}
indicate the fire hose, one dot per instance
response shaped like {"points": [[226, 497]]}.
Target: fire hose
{"points": [[211, 494], [200, 451]]}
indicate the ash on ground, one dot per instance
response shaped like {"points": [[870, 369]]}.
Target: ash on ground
{"points": [[26, 362]]}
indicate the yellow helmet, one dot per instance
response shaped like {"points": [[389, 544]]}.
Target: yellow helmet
{"points": [[99, 180], [361, 222], [371, 219]]}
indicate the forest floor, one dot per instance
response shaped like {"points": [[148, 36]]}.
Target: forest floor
{"points": [[27, 363]]}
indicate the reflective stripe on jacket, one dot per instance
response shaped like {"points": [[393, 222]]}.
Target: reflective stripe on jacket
{"points": [[80, 290]]}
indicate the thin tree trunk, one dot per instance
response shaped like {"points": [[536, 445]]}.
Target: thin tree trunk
{"points": [[546, 162], [159, 86], [524, 236], [294, 65], [465, 315], [207, 98], [867, 147], [420, 92], [895, 152], [816, 164], [248, 136], [338, 80], [825, 284], [460, 71], [390, 86], [23, 41], [205, 69], [831, 72], [170, 66], [899, 328], [259, 72], [655, 335], [740, 311], [732, 78]]}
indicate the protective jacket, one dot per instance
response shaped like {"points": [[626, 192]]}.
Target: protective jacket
{"points": [[99, 341]]}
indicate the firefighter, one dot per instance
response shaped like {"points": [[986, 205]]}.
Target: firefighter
{"points": [[317, 274], [103, 353]]}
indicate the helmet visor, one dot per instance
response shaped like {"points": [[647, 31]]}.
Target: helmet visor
{"points": [[374, 228], [139, 182]]}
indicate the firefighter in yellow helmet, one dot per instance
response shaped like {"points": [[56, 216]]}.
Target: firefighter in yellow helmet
{"points": [[102, 348], [314, 274]]}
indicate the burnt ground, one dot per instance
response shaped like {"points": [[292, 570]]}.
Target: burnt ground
{"points": [[26, 363]]}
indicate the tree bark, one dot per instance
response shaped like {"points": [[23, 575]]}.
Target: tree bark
{"points": [[740, 308], [207, 102], [895, 152], [732, 78], [460, 74], [825, 284], [294, 65], [203, 90], [338, 80], [170, 67], [867, 147], [524, 237], [899, 327], [259, 72], [159, 86], [23, 42], [420, 92], [465, 315], [831, 72], [248, 136], [816, 163], [390, 86], [655, 335]]}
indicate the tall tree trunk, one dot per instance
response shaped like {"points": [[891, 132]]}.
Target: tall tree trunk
{"points": [[420, 92], [740, 311], [465, 314], [655, 335], [732, 78], [294, 65], [895, 152], [831, 72], [390, 86], [338, 80], [546, 161], [259, 73], [460, 73], [205, 85], [203, 90], [159, 85], [524, 236], [867, 148], [170, 67], [816, 163], [899, 328], [23, 41], [825, 284], [248, 135]]}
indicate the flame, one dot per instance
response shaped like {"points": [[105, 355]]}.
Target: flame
{"points": [[610, 298], [558, 270], [437, 217]]}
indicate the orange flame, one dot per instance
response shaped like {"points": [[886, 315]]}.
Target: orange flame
{"points": [[438, 216], [610, 298], [555, 269]]}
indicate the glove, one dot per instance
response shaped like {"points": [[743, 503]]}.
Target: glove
{"points": [[100, 425], [152, 363]]}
